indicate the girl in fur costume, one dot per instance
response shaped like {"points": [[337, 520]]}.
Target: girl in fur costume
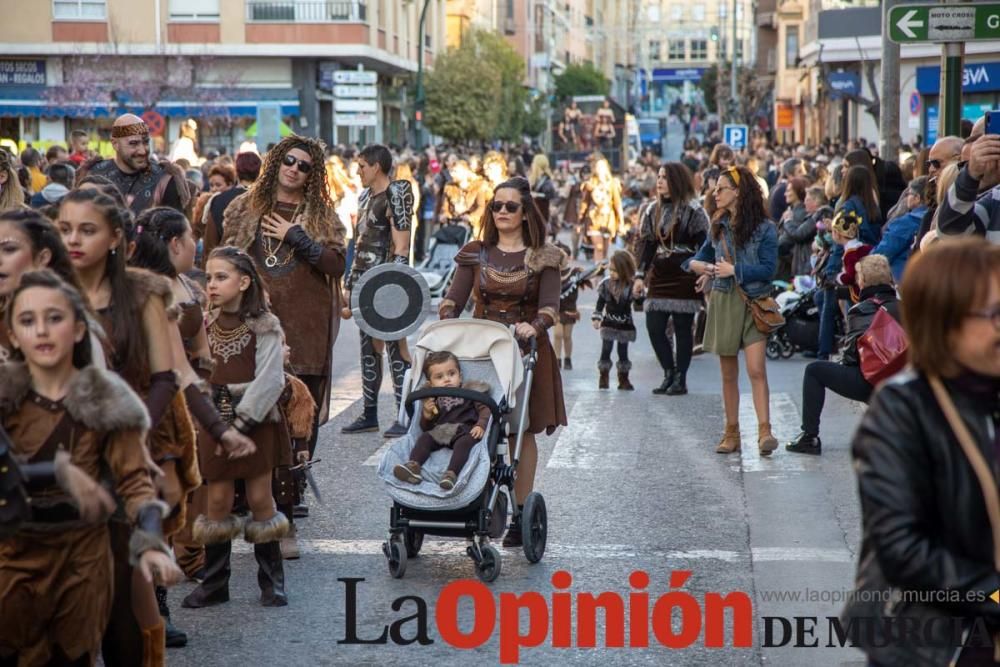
{"points": [[56, 571], [573, 282], [247, 383], [454, 423], [613, 318]]}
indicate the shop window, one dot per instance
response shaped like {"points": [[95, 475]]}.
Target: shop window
{"points": [[194, 10], [676, 47], [79, 9], [699, 49]]}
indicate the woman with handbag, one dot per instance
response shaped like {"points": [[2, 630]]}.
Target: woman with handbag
{"points": [[926, 458], [738, 261], [874, 279]]}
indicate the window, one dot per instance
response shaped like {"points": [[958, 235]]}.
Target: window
{"points": [[194, 10], [653, 12], [698, 12], [654, 49], [677, 11], [739, 12], [739, 49], [676, 49], [791, 45], [699, 49], [722, 9], [79, 9]]}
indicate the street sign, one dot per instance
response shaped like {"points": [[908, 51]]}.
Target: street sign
{"points": [[944, 23], [735, 136], [355, 76], [365, 106], [355, 119], [347, 90], [914, 102]]}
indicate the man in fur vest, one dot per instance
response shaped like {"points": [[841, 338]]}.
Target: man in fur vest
{"points": [[143, 183], [382, 234]]}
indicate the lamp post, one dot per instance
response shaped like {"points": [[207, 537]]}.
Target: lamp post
{"points": [[419, 102]]}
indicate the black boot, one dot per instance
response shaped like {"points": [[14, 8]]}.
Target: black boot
{"points": [[175, 638], [679, 386], [668, 379], [513, 538], [270, 574], [806, 443], [214, 588], [397, 430], [567, 364], [367, 422]]}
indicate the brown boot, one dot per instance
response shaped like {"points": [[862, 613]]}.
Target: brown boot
{"points": [[730, 440], [154, 646], [623, 371], [604, 369], [766, 442]]}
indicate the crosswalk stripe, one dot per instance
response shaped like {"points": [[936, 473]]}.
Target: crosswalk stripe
{"points": [[583, 444], [785, 424], [345, 392]]}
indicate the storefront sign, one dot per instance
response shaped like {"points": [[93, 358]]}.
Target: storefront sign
{"points": [[784, 116], [844, 84], [672, 75], [22, 72], [976, 77]]}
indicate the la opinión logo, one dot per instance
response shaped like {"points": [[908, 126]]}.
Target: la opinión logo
{"points": [[629, 620]]}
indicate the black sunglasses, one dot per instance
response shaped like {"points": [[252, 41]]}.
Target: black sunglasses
{"points": [[511, 206], [933, 163], [303, 166]]}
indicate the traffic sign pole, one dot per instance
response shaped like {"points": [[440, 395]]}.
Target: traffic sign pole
{"points": [[889, 104], [952, 60]]}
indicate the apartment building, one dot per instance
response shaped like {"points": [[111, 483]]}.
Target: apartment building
{"points": [[67, 64]]}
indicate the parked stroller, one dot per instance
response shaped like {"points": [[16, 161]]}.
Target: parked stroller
{"points": [[476, 508], [800, 332], [439, 266]]}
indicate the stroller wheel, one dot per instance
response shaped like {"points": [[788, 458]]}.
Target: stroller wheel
{"points": [[773, 349], [395, 551], [534, 527], [498, 520], [488, 569], [414, 539], [787, 349]]}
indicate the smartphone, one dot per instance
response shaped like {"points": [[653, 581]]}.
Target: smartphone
{"points": [[993, 122]]}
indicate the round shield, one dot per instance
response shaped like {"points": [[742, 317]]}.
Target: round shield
{"points": [[389, 301]]}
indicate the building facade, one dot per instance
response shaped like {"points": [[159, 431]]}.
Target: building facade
{"points": [[79, 63]]}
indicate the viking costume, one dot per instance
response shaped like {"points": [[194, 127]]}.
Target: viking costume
{"points": [[247, 383], [469, 200], [614, 313], [601, 211], [372, 247], [510, 288], [160, 184], [301, 275], [56, 572], [573, 280]]}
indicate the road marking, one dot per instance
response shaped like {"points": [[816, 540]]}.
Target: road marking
{"points": [[584, 443], [810, 554], [785, 425], [557, 551], [345, 392], [376, 458]]}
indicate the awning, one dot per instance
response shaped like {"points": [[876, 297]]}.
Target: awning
{"points": [[49, 102]]}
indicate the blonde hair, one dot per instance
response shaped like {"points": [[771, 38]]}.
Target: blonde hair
{"points": [[539, 166], [11, 195], [874, 270], [944, 181]]}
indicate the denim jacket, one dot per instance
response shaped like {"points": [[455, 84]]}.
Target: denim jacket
{"points": [[755, 263]]}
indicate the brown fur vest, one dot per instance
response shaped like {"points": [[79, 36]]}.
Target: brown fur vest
{"points": [[240, 224]]}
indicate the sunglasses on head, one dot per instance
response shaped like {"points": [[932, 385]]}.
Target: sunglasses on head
{"points": [[511, 206], [303, 166]]}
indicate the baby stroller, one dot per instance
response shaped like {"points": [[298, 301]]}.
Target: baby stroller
{"points": [[476, 508], [439, 266], [800, 332]]}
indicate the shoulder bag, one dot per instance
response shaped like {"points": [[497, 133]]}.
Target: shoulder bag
{"points": [[882, 348], [765, 311]]}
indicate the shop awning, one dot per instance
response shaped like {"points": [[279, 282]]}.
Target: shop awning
{"points": [[37, 101]]}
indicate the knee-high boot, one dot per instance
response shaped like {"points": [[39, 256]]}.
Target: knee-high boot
{"points": [[217, 537], [154, 646], [264, 536]]}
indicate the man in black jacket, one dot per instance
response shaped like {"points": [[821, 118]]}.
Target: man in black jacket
{"points": [[845, 378]]}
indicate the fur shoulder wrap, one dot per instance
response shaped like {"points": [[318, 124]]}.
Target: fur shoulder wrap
{"points": [[240, 223], [548, 256], [145, 284], [98, 399], [263, 324]]}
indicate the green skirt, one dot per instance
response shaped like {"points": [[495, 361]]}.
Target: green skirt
{"points": [[729, 327]]}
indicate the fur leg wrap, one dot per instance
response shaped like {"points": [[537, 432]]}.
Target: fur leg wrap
{"points": [[262, 532], [604, 366], [623, 366], [206, 531]]}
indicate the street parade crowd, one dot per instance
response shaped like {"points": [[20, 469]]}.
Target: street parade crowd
{"points": [[169, 325]]}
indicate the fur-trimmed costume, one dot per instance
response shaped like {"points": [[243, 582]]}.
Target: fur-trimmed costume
{"points": [[456, 416], [614, 311], [465, 202], [56, 571], [302, 282], [510, 288], [668, 237], [247, 382], [162, 184]]}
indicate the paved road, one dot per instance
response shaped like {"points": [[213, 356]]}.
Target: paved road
{"points": [[631, 484]]}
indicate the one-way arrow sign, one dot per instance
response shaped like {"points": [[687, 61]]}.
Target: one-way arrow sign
{"points": [[944, 23]]}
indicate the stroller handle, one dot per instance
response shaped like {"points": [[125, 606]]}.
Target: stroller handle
{"points": [[455, 392]]}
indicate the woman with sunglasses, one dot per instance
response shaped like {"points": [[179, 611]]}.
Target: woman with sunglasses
{"points": [[513, 276], [287, 223], [740, 254]]}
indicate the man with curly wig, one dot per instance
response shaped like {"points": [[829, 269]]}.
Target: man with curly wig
{"points": [[382, 234], [287, 223]]}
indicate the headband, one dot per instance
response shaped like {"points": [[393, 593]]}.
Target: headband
{"points": [[134, 129], [734, 173]]}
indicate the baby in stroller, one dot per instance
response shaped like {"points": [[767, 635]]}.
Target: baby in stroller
{"points": [[446, 421]]}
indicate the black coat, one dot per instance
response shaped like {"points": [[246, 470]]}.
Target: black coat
{"points": [[861, 314], [924, 520]]}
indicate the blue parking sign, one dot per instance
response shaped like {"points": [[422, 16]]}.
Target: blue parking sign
{"points": [[736, 135]]}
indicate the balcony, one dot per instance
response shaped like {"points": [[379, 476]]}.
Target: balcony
{"points": [[298, 11]]}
